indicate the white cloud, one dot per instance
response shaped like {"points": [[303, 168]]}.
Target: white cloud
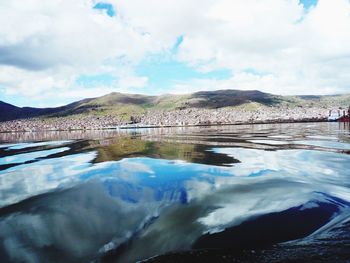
{"points": [[45, 47], [271, 45], [294, 50], [65, 33]]}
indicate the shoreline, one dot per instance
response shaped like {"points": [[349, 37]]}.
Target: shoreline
{"points": [[189, 117], [145, 126]]}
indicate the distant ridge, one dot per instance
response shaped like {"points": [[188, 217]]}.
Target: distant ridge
{"points": [[126, 105], [11, 112]]}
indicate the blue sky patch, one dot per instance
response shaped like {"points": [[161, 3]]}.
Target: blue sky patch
{"points": [[94, 80], [15, 100], [163, 73], [308, 3], [107, 7]]}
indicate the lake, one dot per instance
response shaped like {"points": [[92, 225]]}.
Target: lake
{"points": [[245, 193]]}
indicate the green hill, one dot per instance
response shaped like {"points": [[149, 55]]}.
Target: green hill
{"points": [[126, 105]]}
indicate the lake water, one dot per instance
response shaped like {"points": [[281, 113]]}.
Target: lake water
{"points": [[266, 193]]}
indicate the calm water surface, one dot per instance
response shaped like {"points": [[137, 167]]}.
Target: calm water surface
{"points": [[257, 192]]}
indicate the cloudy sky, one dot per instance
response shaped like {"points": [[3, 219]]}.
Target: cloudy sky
{"points": [[58, 51]]}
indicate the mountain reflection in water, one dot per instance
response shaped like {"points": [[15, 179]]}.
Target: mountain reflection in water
{"points": [[186, 194]]}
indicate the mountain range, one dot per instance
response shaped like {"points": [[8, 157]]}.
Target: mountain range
{"points": [[126, 105]]}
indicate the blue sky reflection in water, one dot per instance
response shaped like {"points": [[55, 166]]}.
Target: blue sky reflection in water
{"points": [[132, 195]]}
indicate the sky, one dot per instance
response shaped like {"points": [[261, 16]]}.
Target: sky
{"points": [[59, 51]]}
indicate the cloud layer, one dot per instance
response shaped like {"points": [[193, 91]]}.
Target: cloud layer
{"points": [[271, 45]]}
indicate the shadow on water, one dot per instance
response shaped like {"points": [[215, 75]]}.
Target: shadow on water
{"points": [[270, 229]]}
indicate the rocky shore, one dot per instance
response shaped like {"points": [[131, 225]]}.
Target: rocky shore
{"points": [[183, 117]]}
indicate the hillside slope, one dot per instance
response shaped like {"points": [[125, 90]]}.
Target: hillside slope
{"points": [[125, 105]]}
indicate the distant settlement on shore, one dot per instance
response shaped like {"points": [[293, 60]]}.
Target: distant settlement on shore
{"points": [[183, 117]]}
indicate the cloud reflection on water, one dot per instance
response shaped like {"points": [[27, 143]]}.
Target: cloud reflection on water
{"points": [[137, 199]]}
